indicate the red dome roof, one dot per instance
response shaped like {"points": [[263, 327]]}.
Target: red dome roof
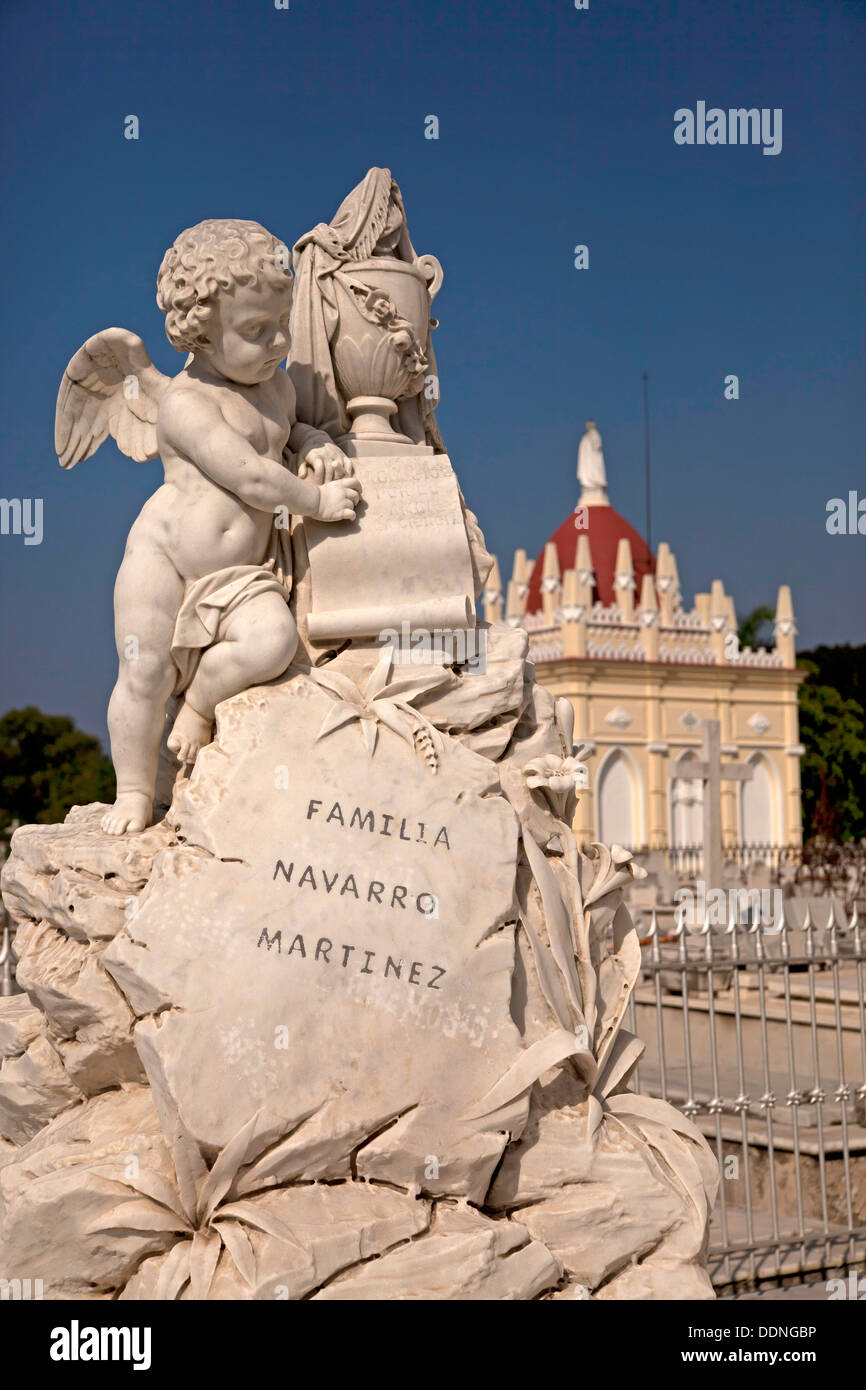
{"points": [[606, 529]]}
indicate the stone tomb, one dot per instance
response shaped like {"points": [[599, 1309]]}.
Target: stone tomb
{"points": [[326, 943], [349, 1022], [340, 994]]}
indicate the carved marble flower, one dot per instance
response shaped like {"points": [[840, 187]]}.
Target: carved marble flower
{"points": [[416, 362], [556, 774], [613, 867], [558, 779], [379, 305]]}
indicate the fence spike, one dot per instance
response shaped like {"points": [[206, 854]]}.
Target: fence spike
{"points": [[732, 919]]}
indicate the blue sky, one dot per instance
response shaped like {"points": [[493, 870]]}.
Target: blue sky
{"points": [[556, 129]]}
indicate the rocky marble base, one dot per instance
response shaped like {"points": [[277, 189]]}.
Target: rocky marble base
{"points": [[347, 1025]]}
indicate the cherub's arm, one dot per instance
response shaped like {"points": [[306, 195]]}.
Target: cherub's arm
{"points": [[305, 437], [319, 458], [193, 426]]}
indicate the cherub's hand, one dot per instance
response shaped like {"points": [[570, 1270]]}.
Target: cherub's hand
{"points": [[325, 463], [338, 500]]}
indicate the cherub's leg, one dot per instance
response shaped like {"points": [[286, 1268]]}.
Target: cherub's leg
{"points": [[147, 596], [167, 765], [257, 645]]}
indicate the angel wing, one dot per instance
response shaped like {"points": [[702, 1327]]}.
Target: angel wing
{"points": [[110, 387]]}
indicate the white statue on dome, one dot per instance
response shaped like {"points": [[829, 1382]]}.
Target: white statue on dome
{"points": [[590, 467]]}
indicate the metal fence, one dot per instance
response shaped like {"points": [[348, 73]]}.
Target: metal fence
{"points": [[759, 1036], [817, 868]]}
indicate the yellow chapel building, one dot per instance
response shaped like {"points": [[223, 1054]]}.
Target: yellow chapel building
{"points": [[609, 629]]}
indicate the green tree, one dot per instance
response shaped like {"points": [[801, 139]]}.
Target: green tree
{"points": [[47, 766], [833, 768], [750, 630], [843, 667]]}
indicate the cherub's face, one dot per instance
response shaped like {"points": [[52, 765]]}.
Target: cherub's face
{"points": [[249, 333]]}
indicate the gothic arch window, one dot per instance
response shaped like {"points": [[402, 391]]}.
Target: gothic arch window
{"points": [[618, 801], [759, 804], [687, 808]]}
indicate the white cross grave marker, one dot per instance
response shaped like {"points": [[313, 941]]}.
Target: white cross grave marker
{"points": [[710, 772]]}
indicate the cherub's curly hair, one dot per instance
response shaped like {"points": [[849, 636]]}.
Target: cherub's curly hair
{"points": [[205, 259]]}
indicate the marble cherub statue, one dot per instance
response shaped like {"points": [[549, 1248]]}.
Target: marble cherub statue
{"points": [[200, 601]]}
